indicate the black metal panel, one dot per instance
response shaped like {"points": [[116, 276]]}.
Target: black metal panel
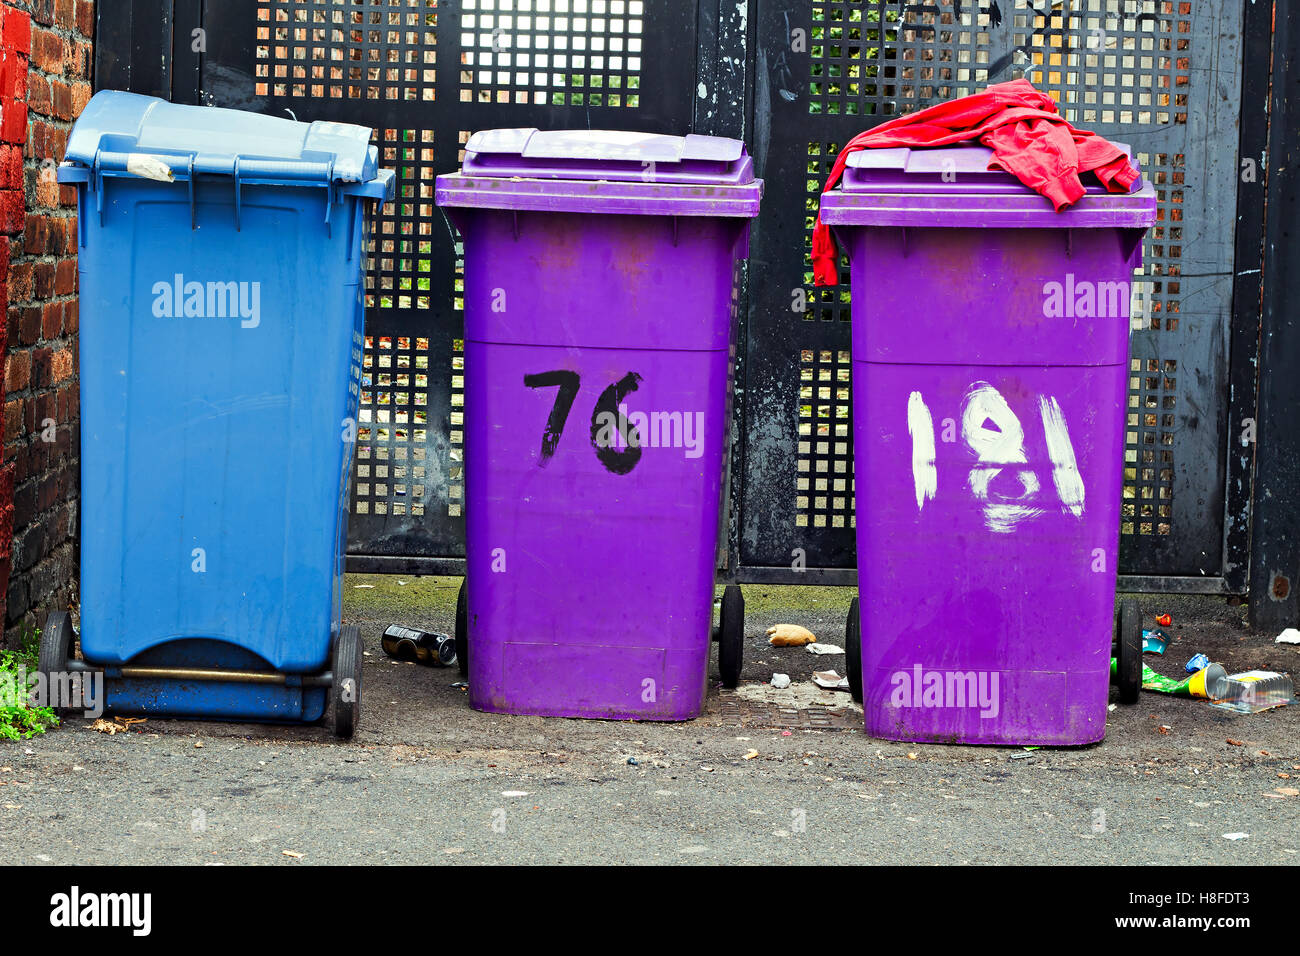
{"points": [[150, 47], [1275, 557], [1163, 77]]}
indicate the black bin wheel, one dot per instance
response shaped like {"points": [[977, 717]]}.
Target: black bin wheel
{"points": [[462, 629], [853, 651], [1129, 651], [345, 693], [731, 635], [54, 652]]}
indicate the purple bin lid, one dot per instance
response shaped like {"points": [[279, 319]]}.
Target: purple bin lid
{"points": [[953, 186], [611, 171]]}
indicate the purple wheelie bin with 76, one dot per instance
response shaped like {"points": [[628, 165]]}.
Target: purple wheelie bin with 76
{"points": [[599, 319], [990, 374]]}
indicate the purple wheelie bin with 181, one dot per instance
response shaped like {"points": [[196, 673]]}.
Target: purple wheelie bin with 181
{"points": [[990, 374]]}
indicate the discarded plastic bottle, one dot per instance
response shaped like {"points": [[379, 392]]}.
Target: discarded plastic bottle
{"points": [[1252, 691], [422, 647]]}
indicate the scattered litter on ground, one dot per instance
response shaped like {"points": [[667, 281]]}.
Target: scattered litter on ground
{"points": [[830, 680], [1154, 642], [1235, 836], [293, 853], [780, 681], [1165, 620], [799, 695], [413, 645], [1197, 663], [363, 587], [823, 649], [789, 635], [1289, 636], [515, 793], [1253, 691], [115, 725], [1235, 742], [461, 685], [1023, 756], [1207, 684], [751, 755], [1288, 791]]}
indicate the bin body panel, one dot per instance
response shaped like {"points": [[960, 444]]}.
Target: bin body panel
{"points": [[214, 457], [993, 574], [989, 410], [590, 583]]}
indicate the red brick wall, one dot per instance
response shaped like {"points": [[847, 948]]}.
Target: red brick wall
{"points": [[41, 437]]}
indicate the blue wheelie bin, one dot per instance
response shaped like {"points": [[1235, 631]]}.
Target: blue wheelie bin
{"points": [[222, 310]]}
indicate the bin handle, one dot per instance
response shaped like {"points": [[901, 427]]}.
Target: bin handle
{"points": [[98, 181], [238, 224], [329, 195]]}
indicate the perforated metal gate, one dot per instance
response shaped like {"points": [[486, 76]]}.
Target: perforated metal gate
{"points": [[796, 78], [1161, 75], [426, 74]]}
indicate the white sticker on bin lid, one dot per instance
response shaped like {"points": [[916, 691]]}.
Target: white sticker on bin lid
{"points": [[149, 167]]}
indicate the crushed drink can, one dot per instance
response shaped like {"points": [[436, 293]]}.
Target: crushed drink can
{"points": [[1197, 663], [422, 647]]}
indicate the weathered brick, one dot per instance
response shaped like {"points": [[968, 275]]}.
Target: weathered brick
{"points": [[61, 93], [38, 94], [65, 275], [14, 414], [80, 97], [21, 283], [51, 320], [61, 371], [11, 158], [18, 371], [17, 31], [47, 51], [43, 277], [86, 18], [35, 234], [29, 325], [65, 13], [42, 12]]}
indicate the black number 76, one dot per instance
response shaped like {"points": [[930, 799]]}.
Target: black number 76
{"points": [[606, 408]]}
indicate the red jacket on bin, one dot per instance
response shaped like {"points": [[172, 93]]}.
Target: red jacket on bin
{"points": [[1029, 138]]}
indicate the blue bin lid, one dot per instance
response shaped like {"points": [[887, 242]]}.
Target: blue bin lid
{"points": [[126, 132]]}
